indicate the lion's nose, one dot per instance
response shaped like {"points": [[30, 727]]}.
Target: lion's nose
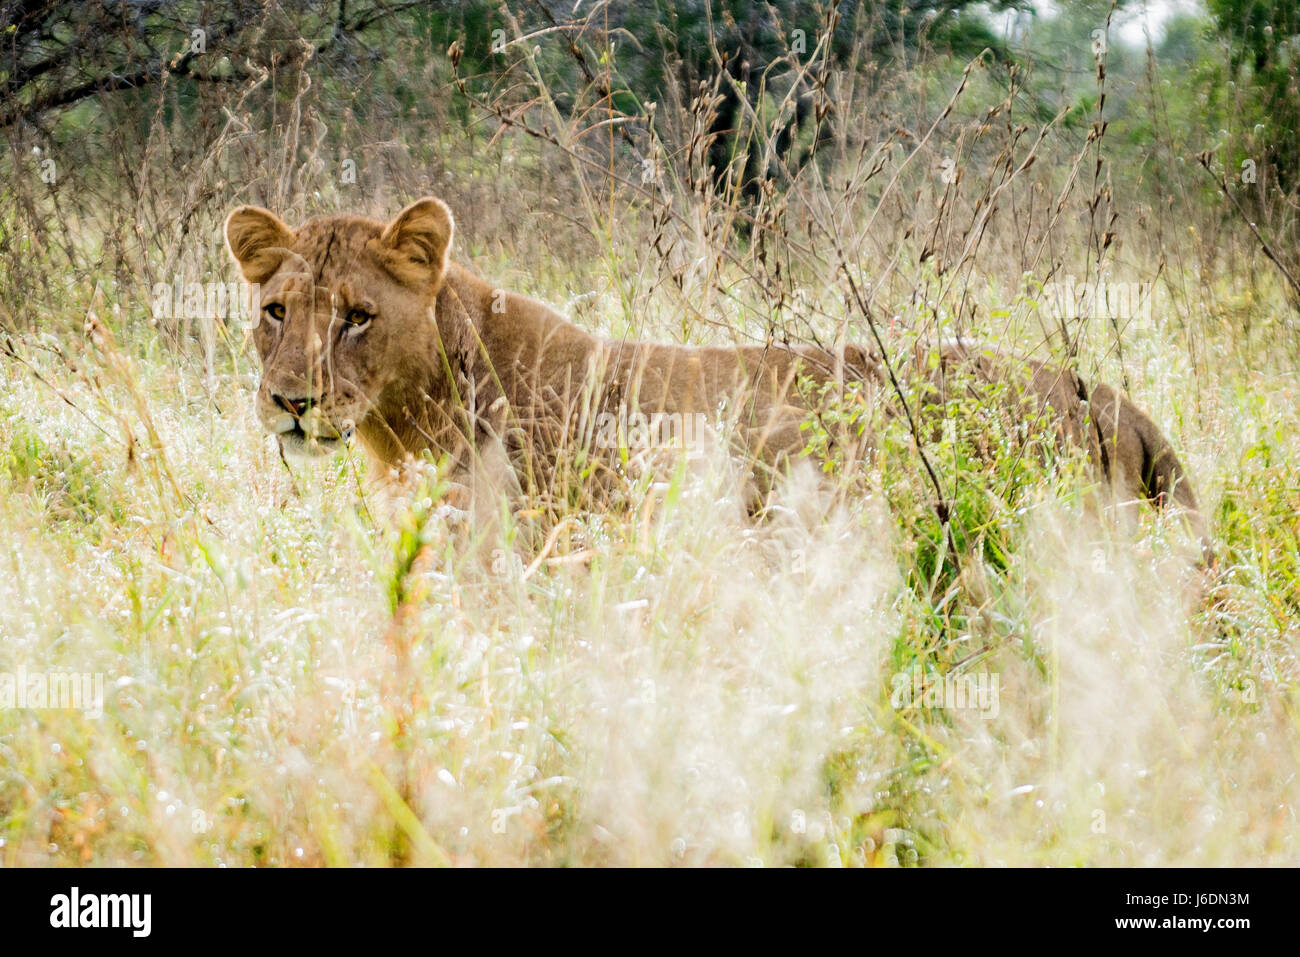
{"points": [[295, 407]]}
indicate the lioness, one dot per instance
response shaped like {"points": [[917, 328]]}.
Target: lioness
{"points": [[368, 328]]}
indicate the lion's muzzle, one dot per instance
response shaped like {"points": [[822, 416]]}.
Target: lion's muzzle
{"points": [[301, 428]]}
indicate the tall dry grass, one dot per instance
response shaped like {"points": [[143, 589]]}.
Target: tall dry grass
{"points": [[300, 671]]}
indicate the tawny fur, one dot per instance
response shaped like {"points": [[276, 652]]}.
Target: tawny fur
{"points": [[452, 365]]}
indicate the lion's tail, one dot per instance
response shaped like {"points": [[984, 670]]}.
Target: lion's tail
{"points": [[1142, 458]]}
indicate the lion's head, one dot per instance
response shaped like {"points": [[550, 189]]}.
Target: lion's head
{"points": [[346, 315]]}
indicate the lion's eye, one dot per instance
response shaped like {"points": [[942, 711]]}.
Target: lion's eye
{"points": [[275, 310], [358, 317]]}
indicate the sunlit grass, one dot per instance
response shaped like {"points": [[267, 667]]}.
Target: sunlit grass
{"points": [[299, 671]]}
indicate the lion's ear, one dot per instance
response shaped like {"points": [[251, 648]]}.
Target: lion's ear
{"points": [[257, 240], [416, 243]]}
